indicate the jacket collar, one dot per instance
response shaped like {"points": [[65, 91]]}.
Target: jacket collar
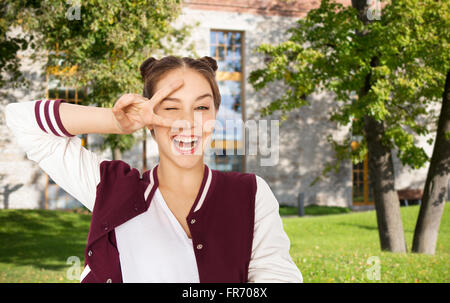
{"points": [[150, 182], [142, 190]]}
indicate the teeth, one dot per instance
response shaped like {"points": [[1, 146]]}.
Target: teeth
{"points": [[186, 139], [185, 148]]}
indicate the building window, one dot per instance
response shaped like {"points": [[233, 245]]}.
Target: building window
{"points": [[227, 146], [362, 190], [55, 196]]}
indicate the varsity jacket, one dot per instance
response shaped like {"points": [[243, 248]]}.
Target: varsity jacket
{"points": [[222, 229], [237, 233]]}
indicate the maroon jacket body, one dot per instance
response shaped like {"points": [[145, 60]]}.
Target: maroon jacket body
{"points": [[223, 225]]}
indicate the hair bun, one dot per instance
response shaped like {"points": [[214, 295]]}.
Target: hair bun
{"points": [[145, 66], [210, 61]]}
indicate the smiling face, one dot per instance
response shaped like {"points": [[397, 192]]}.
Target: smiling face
{"points": [[192, 102]]}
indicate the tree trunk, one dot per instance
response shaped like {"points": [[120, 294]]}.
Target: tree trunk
{"points": [[381, 167], [116, 154], [433, 200], [387, 204], [381, 172], [144, 151]]}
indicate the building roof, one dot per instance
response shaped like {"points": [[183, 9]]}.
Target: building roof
{"points": [[287, 8]]}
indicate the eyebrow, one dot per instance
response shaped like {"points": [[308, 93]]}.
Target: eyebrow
{"points": [[178, 100]]}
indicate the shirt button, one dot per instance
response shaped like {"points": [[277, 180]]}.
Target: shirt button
{"points": [[90, 253], [109, 281], [199, 246], [192, 221]]}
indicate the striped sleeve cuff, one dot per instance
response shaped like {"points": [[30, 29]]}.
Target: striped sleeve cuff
{"points": [[48, 119]]}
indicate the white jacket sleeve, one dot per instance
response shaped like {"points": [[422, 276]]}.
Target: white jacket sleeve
{"points": [[270, 261], [38, 130]]}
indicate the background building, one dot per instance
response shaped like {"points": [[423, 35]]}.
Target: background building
{"points": [[229, 31]]}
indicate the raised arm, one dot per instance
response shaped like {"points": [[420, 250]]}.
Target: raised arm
{"points": [[46, 129], [270, 261], [79, 119]]}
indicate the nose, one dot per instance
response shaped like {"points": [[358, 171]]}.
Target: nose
{"points": [[189, 117], [195, 122]]}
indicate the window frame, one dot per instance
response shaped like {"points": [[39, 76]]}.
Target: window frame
{"points": [[233, 76]]}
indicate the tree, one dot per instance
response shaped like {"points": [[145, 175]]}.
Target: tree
{"points": [[10, 45], [102, 44], [381, 166], [382, 91], [426, 59], [432, 207], [432, 50]]}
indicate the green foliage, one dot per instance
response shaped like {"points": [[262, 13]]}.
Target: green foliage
{"points": [[106, 41], [406, 54], [122, 142], [11, 44]]}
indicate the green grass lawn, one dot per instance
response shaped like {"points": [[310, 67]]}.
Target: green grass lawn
{"points": [[336, 248], [314, 210], [35, 246]]}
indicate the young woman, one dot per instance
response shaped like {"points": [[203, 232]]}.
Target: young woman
{"points": [[177, 222]]}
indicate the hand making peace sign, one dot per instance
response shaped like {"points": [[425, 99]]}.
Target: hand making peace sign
{"points": [[133, 111]]}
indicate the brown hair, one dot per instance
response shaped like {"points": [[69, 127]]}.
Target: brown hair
{"points": [[152, 70]]}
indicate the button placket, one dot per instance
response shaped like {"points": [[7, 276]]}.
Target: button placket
{"points": [[105, 226]]}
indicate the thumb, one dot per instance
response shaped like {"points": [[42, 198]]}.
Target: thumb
{"points": [[146, 113], [119, 115]]}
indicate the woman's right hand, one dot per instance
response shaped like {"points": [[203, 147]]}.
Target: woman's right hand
{"points": [[132, 111]]}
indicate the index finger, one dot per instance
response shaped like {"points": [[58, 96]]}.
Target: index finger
{"points": [[165, 91], [157, 98]]}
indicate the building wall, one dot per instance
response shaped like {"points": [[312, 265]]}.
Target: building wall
{"points": [[285, 8], [21, 180], [303, 153], [407, 177], [303, 149]]}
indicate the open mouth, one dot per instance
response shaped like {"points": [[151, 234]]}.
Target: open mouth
{"points": [[185, 144]]}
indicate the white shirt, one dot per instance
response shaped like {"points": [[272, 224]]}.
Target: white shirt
{"points": [[159, 250], [153, 246]]}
